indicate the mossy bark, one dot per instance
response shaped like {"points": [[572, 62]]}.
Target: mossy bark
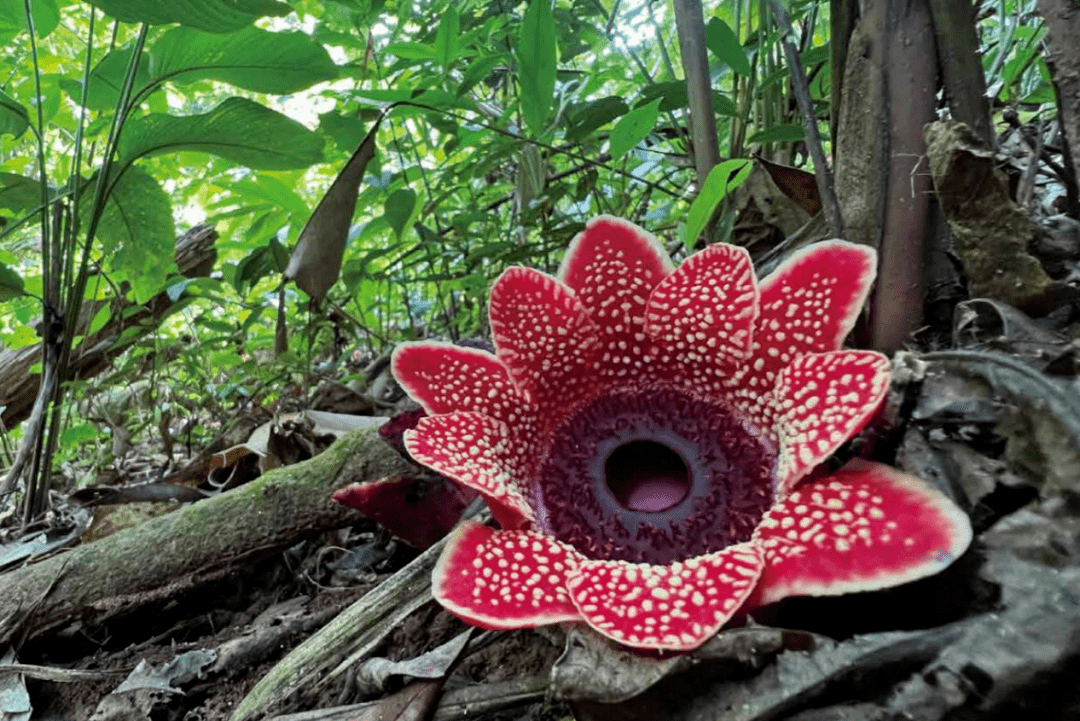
{"points": [[198, 543]]}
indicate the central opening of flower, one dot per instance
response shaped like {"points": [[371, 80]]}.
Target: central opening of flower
{"points": [[647, 476], [653, 475]]}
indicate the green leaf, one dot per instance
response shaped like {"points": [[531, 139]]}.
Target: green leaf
{"points": [[14, 119], [480, 69], [672, 95], [725, 45], [214, 16], [411, 51], [344, 129], [633, 127], [137, 233], [46, 16], [106, 79], [252, 59], [78, 433], [722, 179], [591, 116], [271, 190], [537, 60], [11, 283], [100, 319], [722, 104], [239, 130], [399, 208], [19, 193], [448, 38], [783, 133]]}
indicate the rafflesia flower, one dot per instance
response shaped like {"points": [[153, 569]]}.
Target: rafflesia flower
{"points": [[644, 434]]}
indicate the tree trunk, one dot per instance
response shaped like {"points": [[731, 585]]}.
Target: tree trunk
{"points": [[1063, 22], [961, 69], [888, 93], [690, 23]]}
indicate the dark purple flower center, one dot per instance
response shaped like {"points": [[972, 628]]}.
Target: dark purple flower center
{"points": [[654, 477]]}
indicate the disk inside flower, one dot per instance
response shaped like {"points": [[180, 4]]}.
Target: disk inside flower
{"points": [[642, 435]]}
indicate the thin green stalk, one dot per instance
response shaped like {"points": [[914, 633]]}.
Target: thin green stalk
{"points": [[75, 178], [43, 173], [102, 187]]}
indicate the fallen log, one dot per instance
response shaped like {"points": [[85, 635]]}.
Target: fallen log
{"points": [[196, 544], [195, 257]]}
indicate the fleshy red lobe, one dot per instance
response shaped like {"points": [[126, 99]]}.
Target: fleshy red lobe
{"points": [[478, 451], [809, 305], [504, 579], [419, 511], [821, 400], [612, 267], [675, 607], [545, 339], [865, 527], [702, 317], [446, 378]]}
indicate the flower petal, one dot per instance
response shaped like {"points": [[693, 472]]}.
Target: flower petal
{"points": [[702, 316], [613, 266], [478, 451], [821, 400], [865, 527], [809, 304], [419, 511], [675, 607], [544, 337], [504, 579], [445, 378]]}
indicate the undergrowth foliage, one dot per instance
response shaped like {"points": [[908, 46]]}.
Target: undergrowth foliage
{"points": [[124, 123]]}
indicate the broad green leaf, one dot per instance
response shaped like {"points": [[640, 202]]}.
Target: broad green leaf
{"points": [[411, 51], [79, 433], [45, 13], [783, 133], [586, 119], [239, 130], [722, 104], [271, 190], [18, 193], [214, 16], [537, 60], [531, 175], [100, 319], [480, 69], [632, 128], [722, 179], [11, 283], [137, 233], [14, 120], [672, 95], [106, 79], [725, 45], [448, 38], [252, 268], [345, 130], [252, 59], [399, 208]]}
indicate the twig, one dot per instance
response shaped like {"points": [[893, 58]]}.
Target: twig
{"points": [[822, 174]]}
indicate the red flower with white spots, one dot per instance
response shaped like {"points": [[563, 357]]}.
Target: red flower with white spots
{"points": [[643, 434]]}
